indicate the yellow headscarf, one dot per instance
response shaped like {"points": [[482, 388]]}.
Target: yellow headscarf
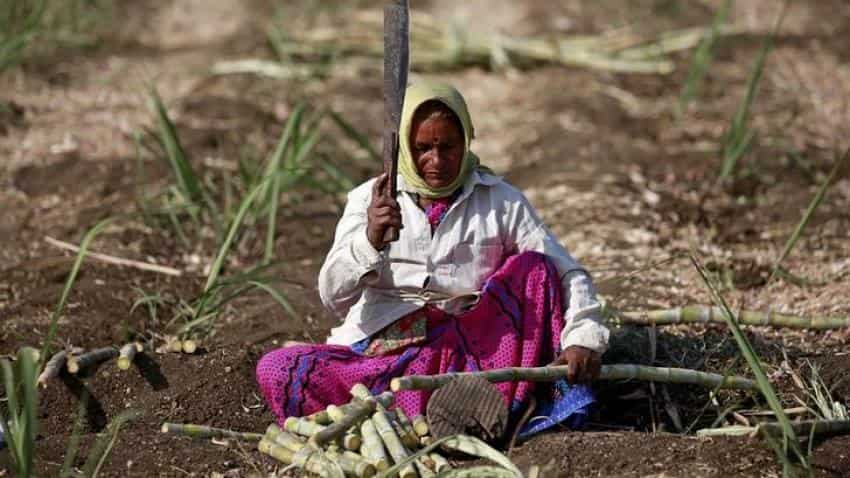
{"points": [[417, 94]]}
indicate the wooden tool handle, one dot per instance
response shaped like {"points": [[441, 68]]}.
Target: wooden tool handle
{"points": [[390, 234], [391, 168]]}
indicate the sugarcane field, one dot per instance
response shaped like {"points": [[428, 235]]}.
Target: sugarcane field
{"points": [[424, 238]]}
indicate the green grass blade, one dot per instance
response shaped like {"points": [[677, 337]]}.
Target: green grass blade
{"points": [[356, 136], [276, 295], [271, 230], [21, 428], [702, 58], [738, 137], [244, 207], [810, 211], [187, 180], [69, 283], [302, 148], [276, 159], [767, 390], [10, 423], [277, 39], [27, 375], [344, 182], [105, 441], [76, 432]]}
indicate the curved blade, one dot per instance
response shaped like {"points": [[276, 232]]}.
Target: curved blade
{"points": [[396, 60]]}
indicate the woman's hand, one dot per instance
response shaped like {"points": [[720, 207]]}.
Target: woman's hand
{"points": [[583, 364], [383, 212]]}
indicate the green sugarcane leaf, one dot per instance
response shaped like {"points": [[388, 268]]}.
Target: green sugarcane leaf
{"points": [[244, 207], [810, 211], [105, 441], [66, 290], [278, 296], [702, 57], [187, 178], [356, 136], [275, 161], [27, 376], [464, 443], [767, 390], [11, 425], [76, 433]]}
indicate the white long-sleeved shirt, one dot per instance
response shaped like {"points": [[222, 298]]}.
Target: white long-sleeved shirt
{"points": [[489, 221]]}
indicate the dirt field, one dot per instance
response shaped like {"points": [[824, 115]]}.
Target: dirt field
{"points": [[619, 180]]}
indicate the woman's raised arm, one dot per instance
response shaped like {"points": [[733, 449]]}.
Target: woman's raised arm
{"points": [[353, 262]]}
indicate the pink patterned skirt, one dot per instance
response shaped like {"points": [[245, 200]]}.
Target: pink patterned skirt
{"points": [[516, 323]]}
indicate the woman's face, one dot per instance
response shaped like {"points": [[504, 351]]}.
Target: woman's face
{"points": [[437, 145]]}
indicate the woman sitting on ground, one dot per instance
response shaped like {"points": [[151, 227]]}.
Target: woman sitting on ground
{"points": [[475, 281]]}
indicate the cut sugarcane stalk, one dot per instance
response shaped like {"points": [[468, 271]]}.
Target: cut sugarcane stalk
{"points": [[386, 431], [734, 430], [694, 314], [201, 431], [428, 461], [302, 427], [173, 344], [313, 460], [283, 438], [423, 469], [127, 354], [392, 442], [440, 463], [359, 411], [53, 367], [276, 451], [801, 428], [336, 413], [408, 436], [189, 346], [420, 425], [608, 372], [351, 440], [409, 440], [96, 356], [305, 459], [810, 427], [321, 417], [351, 463], [372, 447]]}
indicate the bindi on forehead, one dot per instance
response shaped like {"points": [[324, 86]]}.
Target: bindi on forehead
{"points": [[437, 128]]}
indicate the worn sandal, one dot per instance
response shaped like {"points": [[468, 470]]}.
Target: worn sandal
{"points": [[468, 405]]}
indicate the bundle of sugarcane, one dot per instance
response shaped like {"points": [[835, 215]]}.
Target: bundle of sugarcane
{"points": [[695, 314], [357, 439], [555, 372], [439, 44]]}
